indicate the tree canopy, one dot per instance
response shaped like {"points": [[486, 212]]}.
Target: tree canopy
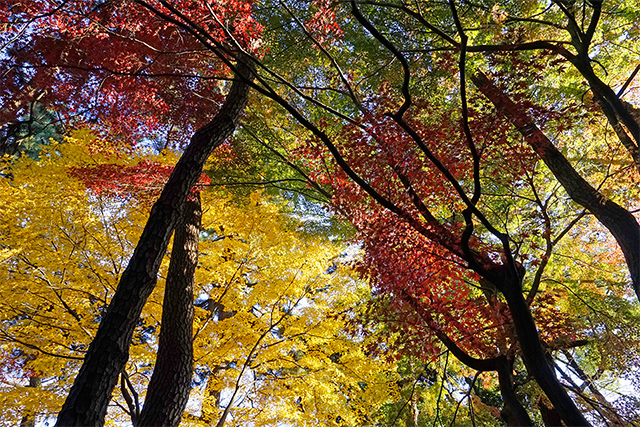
{"points": [[483, 157]]}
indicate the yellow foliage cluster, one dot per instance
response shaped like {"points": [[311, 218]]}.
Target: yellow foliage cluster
{"points": [[271, 306]]}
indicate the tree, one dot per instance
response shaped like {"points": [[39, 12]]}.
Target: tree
{"points": [[442, 169], [268, 300], [410, 199]]}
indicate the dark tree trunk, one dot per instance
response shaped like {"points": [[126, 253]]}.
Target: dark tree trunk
{"points": [[513, 412], [170, 383], [532, 352], [535, 357], [107, 355], [620, 222]]}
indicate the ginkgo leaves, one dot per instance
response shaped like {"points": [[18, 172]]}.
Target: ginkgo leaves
{"points": [[270, 309], [270, 340]]}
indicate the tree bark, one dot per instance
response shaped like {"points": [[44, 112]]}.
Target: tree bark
{"points": [[170, 384], [107, 355]]}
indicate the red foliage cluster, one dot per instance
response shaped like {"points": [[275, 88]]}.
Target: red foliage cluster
{"points": [[142, 182], [323, 25], [120, 63], [380, 151], [401, 260]]}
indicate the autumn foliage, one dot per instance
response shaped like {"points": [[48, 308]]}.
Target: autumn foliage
{"points": [[265, 300], [117, 64], [484, 158]]}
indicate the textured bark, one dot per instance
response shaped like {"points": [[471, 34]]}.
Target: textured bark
{"points": [[620, 222], [107, 355], [170, 384]]}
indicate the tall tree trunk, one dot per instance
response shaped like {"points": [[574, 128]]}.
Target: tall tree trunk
{"points": [[107, 355], [211, 400], [534, 356], [513, 412], [620, 222], [170, 383]]}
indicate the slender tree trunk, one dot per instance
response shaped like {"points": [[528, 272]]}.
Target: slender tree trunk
{"points": [[211, 401], [170, 383], [513, 412], [107, 355]]}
